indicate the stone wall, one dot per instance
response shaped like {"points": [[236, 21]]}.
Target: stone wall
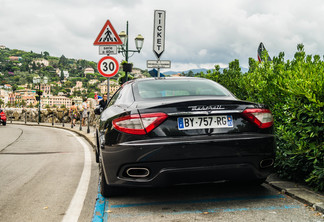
{"points": [[60, 115]]}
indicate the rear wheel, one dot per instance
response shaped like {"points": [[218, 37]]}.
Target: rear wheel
{"points": [[97, 146], [4, 123], [105, 189], [258, 182], [255, 182]]}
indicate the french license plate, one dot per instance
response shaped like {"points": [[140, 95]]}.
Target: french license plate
{"points": [[205, 122]]}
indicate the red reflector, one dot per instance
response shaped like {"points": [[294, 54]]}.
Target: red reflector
{"points": [[139, 124], [261, 117]]}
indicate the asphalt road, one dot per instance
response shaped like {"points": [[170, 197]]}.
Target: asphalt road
{"points": [[41, 169], [208, 202], [46, 174]]}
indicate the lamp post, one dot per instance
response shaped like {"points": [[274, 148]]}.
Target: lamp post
{"points": [[139, 40], [37, 80]]}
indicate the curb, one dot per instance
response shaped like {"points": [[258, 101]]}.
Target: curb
{"points": [[298, 192], [86, 136]]}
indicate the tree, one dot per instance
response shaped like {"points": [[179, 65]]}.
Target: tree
{"points": [[14, 87], [90, 95], [22, 103], [46, 54], [190, 73], [68, 84], [122, 78], [62, 76], [63, 61]]}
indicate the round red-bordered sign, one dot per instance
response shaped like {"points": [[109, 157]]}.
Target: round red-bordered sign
{"points": [[108, 66]]}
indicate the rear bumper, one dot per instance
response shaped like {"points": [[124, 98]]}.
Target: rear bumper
{"points": [[190, 160]]}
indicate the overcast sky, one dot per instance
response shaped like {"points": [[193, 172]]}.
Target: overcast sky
{"points": [[198, 34]]}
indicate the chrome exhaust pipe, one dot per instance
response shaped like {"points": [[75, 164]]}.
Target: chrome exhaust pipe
{"points": [[266, 163], [137, 172]]}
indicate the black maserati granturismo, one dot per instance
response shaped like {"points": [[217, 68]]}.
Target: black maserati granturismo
{"points": [[169, 131]]}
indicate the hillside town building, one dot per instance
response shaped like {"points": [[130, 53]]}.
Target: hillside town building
{"points": [[46, 88], [88, 70], [41, 62], [57, 101], [15, 58], [113, 87]]}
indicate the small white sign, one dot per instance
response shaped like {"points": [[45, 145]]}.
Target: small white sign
{"points": [[158, 63], [107, 50], [159, 32]]}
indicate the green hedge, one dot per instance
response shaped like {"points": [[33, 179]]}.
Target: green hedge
{"points": [[294, 91]]}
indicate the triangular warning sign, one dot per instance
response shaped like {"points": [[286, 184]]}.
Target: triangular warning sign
{"points": [[108, 36]]}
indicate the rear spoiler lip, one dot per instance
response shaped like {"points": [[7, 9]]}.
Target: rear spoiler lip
{"points": [[222, 101], [190, 113]]}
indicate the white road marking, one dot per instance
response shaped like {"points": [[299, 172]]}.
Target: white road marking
{"points": [[74, 210]]}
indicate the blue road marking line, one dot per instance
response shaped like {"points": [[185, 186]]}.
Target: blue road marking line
{"points": [[197, 201], [214, 210], [105, 218], [99, 214]]}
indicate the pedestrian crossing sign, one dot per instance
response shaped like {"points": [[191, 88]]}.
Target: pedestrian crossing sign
{"points": [[108, 36]]}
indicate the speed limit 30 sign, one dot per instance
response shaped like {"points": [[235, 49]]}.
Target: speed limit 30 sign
{"points": [[108, 66]]}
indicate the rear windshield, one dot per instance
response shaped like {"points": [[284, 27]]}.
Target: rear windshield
{"points": [[174, 88]]}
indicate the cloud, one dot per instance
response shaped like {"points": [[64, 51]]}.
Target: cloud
{"points": [[208, 32]]}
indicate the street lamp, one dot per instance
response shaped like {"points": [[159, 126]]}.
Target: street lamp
{"points": [[37, 80], [139, 40]]}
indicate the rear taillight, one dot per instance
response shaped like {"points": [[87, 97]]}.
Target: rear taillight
{"points": [[139, 124], [261, 117]]}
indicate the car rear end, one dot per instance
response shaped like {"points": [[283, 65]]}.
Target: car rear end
{"points": [[181, 136], [3, 118]]}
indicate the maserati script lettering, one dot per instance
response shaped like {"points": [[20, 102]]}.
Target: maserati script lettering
{"points": [[204, 108]]}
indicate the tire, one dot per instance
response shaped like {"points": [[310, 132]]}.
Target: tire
{"points": [[4, 123], [97, 146], [256, 182], [105, 189]]}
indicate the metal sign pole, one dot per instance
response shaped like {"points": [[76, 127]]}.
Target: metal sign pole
{"points": [[159, 68], [63, 119], [108, 80]]}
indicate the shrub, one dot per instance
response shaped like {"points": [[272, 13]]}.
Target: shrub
{"points": [[294, 91]]}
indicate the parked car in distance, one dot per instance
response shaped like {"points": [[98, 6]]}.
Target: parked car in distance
{"points": [[169, 131], [3, 117]]}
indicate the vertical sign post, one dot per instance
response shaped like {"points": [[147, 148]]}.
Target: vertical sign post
{"points": [[159, 34]]}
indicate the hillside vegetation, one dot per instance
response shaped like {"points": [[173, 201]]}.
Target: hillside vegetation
{"points": [[23, 68]]}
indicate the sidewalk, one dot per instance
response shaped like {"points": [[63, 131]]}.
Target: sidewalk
{"points": [[297, 191]]}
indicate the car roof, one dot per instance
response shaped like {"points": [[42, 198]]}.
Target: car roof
{"points": [[167, 78], [171, 78]]}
